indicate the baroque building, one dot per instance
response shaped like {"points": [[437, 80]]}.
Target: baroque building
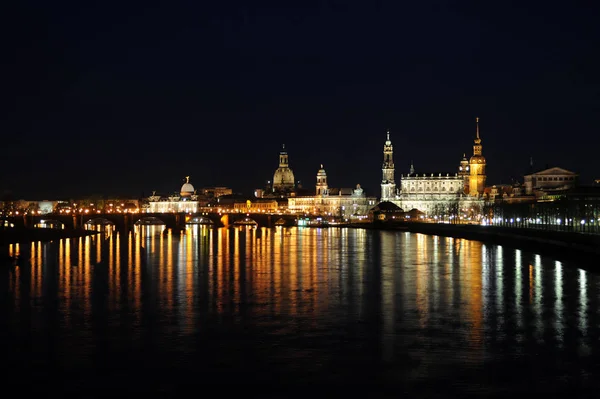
{"points": [[185, 201], [344, 203], [283, 178], [437, 193]]}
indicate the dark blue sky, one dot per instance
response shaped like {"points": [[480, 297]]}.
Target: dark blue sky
{"points": [[126, 97]]}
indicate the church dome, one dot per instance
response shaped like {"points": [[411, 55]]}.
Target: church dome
{"points": [[283, 178], [187, 189]]}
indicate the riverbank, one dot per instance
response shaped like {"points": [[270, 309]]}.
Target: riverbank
{"points": [[25, 235], [530, 239]]}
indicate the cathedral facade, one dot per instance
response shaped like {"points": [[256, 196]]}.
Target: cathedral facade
{"points": [[437, 194]]}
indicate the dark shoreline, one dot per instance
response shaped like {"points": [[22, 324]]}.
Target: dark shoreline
{"points": [[27, 235]]}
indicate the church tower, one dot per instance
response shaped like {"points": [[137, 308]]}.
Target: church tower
{"points": [[477, 166], [388, 185], [463, 171], [322, 188]]}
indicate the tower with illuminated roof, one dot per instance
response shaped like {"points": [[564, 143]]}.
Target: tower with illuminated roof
{"points": [[322, 189], [477, 167]]}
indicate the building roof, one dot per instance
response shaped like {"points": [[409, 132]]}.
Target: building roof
{"points": [[187, 188], [429, 174], [552, 171], [386, 206]]}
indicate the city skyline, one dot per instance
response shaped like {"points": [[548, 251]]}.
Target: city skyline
{"points": [[126, 100], [307, 181], [409, 261]]}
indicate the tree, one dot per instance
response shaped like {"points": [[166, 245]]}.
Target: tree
{"points": [[453, 211], [8, 202], [487, 211]]}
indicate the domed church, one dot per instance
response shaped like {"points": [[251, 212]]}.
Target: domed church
{"points": [[283, 178]]}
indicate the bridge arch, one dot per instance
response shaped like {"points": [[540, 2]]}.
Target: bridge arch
{"points": [[150, 220], [246, 221], [200, 220], [99, 221]]}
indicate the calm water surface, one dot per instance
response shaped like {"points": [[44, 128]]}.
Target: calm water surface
{"points": [[296, 308]]}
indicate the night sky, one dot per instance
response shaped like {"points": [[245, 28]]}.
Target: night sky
{"points": [[124, 98]]}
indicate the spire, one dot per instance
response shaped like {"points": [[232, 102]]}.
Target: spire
{"points": [[283, 146], [477, 138], [388, 142], [531, 164]]}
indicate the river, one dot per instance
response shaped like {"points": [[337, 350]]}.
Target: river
{"points": [[296, 310]]}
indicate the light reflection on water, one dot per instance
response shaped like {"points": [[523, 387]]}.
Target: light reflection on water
{"points": [[308, 303]]}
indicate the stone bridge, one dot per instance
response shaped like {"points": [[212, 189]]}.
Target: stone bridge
{"points": [[228, 219], [176, 221]]}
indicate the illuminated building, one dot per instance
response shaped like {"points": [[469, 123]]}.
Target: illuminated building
{"points": [[283, 178], [185, 201], [436, 193], [257, 205], [550, 180], [345, 203], [388, 185], [29, 207], [477, 168]]}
